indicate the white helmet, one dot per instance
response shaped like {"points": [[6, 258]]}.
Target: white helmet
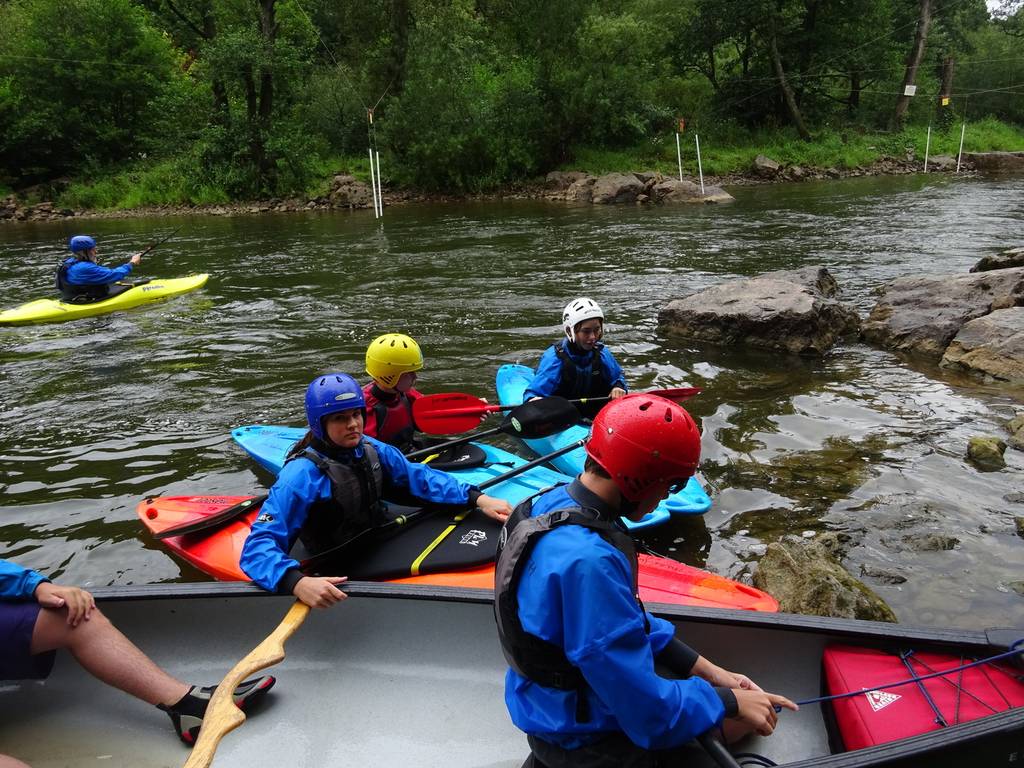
{"points": [[576, 311]]}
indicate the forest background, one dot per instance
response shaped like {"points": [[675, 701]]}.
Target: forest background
{"points": [[122, 103]]}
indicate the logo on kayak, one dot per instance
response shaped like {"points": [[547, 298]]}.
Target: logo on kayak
{"points": [[516, 425], [880, 699], [147, 288], [345, 396], [265, 517], [473, 538]]}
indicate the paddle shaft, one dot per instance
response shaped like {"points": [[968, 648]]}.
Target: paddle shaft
{"points": [[334, 551], [482, 408], [452, 443], [161, 242], [222, 715]]}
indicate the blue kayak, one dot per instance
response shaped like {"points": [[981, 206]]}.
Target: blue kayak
{"points": [[512, 381], [270, 445]]}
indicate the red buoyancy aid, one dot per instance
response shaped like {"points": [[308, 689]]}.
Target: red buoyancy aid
{"points": [[389, 416]]}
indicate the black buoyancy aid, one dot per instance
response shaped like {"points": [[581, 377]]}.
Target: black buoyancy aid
{"points": [[530, 656], [70, 292], [586, 381], [355, 504], [395, 425]]}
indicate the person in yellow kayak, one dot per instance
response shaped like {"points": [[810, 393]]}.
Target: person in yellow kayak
{"points": [[580, 365], [332, 489], [38, 618], [81, 280], [392, 361], [581, 648]]}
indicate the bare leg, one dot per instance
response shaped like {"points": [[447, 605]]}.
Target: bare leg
{"points": [[107, 654], [10, 762]]}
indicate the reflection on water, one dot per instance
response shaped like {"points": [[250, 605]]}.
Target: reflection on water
{"points": [[99, 413]]}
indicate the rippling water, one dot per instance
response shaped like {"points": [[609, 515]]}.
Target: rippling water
{"points": [[98, 413]]}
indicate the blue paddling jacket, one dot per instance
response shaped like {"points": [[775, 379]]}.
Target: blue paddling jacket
{"points": [[17, 583], [302, 484], [576, 591], [590, 374], [81, 277]]}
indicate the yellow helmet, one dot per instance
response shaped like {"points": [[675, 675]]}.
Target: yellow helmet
{"points": [[391, 355]]}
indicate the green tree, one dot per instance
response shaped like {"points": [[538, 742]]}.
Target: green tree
{"points": [[82, 85]]}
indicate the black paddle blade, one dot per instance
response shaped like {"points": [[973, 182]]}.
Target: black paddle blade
{"points": [[540, 418]]}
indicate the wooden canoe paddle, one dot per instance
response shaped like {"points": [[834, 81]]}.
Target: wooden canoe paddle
{"points": [[222, 715]]}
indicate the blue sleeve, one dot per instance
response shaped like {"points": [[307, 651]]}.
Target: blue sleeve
{"points": [[604, 636], [612, 369], [87, 273], [419, 479], [548, 376], [265, 557], [17, 582]]}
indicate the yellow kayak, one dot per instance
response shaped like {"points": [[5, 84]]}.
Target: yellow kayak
{"points": [[54, 311]]}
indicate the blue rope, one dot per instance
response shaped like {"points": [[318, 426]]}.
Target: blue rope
{"points": [[917, 678]]}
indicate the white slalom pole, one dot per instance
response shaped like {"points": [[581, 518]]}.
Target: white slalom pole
{"points": [[373, 186], [380, 190], [960, 154], [679, 156], [700, 168], [927, 146]]}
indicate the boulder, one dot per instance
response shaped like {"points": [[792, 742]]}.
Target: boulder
{"points": [[992, 346], [920, 315], [1019, 523], [986, 453], [347, 192], [805, 578], [942, 163], [792, 311], [796, 173], [996, 163], [617, 188], [765, 167], [581, 190], [1013, 257], [1015, 427], [676, 191], [562, 180]]}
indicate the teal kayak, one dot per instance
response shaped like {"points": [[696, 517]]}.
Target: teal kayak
{"points": [[269, 446], [512, 381]]}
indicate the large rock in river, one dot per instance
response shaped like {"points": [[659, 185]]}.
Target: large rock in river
{"points": [[791, 310], [920, 315], [805, 578], [997, 163], [1011, 258], [676, 191], [617, 188], [992, 346]]}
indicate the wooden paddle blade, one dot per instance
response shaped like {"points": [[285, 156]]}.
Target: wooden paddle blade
{"points": [[449, 412], [540, 418], [222, 715]]}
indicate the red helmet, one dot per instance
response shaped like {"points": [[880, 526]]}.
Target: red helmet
{"points": [[642, 441]]}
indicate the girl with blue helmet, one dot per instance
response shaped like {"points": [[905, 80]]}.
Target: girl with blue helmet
{"points": [[80, 279], [332, 488]]}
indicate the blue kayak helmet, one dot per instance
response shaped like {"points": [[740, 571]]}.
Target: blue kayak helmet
{"points": [[80, 243], [331, 393]]}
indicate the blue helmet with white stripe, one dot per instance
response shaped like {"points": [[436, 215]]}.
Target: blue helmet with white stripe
{"points": [[331, 393]]}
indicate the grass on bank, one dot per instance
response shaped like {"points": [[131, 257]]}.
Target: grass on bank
{"points": [[724, 150], [733, 150]]}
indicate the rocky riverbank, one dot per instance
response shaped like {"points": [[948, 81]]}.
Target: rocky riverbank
{"points": [[641, 187]]}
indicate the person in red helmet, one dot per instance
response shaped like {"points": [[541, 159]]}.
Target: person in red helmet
{"points": [[581, 648]]}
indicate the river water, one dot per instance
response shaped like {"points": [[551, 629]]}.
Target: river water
{"points": [[97, 414]]}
